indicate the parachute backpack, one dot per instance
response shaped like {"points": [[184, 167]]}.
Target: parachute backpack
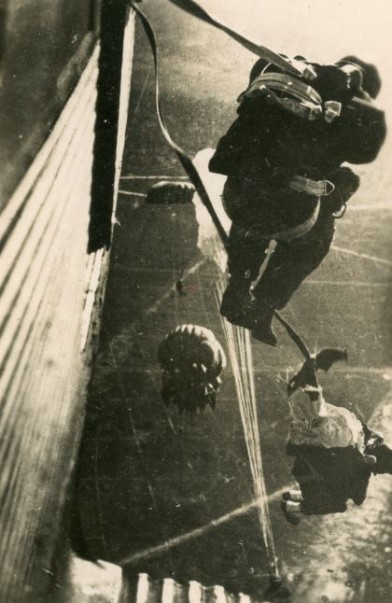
{"points": [[191, 360]]}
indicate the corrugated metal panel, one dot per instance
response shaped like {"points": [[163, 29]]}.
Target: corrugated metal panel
{"points": [[167, 590], [103, 582], [46, 281], [125, 88]]}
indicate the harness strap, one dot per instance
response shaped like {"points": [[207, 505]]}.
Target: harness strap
{"points": [[296, 232], [285, 83], [317, 188], [288, 235]]}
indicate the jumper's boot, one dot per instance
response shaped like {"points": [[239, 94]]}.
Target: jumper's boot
{"points": [[237, 304], [360, 485], [378, 451], [262, 324], [383, 455], [264, 308], [276, 590], [291, 510]]}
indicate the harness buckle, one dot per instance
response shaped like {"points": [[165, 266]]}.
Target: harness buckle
{"points": [[329, 187], [340, 213], [318, 188]]}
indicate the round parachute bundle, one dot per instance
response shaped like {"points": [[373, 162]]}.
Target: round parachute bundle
{"points": [[170, 193], [191, 360]]}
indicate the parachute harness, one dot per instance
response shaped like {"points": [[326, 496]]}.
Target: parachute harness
{"points": [[293, 94], [238, 340]]}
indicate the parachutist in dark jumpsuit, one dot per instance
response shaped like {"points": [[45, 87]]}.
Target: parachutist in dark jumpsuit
{"points": [[285, 180], [335, 453]]}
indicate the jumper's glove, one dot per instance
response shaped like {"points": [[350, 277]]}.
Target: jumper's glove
{"points": [[346, 184]]}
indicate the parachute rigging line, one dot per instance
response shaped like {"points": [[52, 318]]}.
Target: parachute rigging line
{"points": [[240, 355], [241, 360]]}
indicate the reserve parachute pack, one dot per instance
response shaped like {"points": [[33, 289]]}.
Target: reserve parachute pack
{"points": [[343, 91]]}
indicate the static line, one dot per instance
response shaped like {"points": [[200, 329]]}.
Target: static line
{"points": [[215, 523], [364, 256]]}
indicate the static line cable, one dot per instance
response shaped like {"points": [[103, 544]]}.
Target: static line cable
{"points": [[293, 66], [294, 336], [185, 160]]}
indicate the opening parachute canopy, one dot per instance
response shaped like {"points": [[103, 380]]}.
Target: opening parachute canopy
{"points": [[191, 360]]}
